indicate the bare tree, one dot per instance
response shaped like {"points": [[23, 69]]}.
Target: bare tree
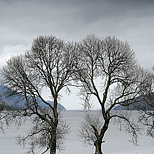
{"points": [[107, 71], [47, 65], [146, 111], [147, 115]]}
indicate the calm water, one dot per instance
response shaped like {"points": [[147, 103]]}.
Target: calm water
{"points": [[116, 142]]}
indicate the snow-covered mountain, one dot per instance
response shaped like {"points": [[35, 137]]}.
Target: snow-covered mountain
{"points": [[6, 101]]}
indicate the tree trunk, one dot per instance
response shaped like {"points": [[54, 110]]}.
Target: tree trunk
{"points": [[98, 147], [53, 143]]}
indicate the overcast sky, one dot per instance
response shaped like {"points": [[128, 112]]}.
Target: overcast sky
{"points": [[21, 21]]}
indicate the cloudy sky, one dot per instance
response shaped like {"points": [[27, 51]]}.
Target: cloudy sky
{"points": [[21, 21]]}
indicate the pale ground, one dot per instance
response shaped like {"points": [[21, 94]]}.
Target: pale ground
{"points": [[116, 142]]}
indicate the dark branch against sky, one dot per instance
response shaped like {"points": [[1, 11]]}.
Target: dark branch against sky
{"points": [[21, 21]]}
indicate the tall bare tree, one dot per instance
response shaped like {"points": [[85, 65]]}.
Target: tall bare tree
{"points": [[108, 72], [47, 65]]}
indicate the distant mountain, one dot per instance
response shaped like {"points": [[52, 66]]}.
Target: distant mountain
{"points": [[143, 104], [5, 101]]}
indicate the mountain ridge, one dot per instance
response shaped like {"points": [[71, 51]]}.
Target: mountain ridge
{"points": [[5, 101], [142, 103]]}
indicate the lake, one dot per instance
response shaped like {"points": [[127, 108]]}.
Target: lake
{"points": [[116, 141]]}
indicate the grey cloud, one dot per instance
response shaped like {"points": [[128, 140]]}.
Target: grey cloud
{"points": [[22, 21]]}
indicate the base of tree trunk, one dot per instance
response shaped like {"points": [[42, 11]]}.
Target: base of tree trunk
{"points": [[98, 148]]}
